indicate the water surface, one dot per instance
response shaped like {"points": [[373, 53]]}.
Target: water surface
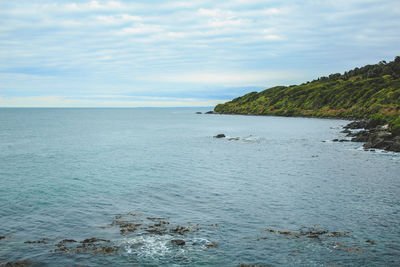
{"points": [[66, 174]]}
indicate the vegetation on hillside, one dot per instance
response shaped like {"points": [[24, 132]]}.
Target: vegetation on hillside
{"points": [[371, 92]]}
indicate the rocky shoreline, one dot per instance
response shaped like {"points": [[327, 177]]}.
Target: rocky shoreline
{"points": [[374, 136]]}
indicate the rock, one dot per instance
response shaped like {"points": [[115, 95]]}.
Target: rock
{"points": [[41, 241], [94, 240], [210, 112], [361, 136], [354, 250], [180, 230], [2, 237], [198, 112], [19, 263], [155, 231], [178, 242], [161, 223], [211, 245], [374, 137], [249, 265], [344, 140], [106, 250], [372, 242], [220, 136], [62, 242], [335, 140], [362, 124], [337, 234]]}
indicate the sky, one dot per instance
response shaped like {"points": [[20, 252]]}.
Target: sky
{"points": [[182, 53]]}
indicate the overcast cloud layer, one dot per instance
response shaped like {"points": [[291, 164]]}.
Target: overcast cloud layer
{"points": [[182, 53]]}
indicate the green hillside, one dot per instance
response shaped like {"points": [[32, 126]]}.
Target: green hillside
{"points": [[371, 92]]}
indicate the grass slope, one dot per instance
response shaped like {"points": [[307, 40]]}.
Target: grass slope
{"points": [[371, 92]]}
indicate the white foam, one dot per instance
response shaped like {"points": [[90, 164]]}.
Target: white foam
{"points": [[148, 245]]}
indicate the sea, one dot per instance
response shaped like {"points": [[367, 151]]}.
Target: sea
{"points": [[154, 187]]}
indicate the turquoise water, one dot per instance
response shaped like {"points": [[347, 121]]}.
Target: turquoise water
{"points": [[71, 173]]}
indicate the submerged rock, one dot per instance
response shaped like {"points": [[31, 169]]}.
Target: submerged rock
{"points": [[210, 112], [310, 232], [211, 245], [40, 241], [94, 240], [106, 250], [18, 263], [198, 112], [249, 265], [333, 234], [220, 136], [180, 230], [63, 242], [372, 242], [178, 242]]}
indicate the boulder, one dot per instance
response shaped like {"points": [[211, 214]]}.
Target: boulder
{"points": [[362, 124], [220, 136]]}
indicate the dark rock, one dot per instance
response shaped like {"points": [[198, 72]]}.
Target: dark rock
{"points": [[335, 140], [161, 223], [63, 242], [344, 140], [220, 136], [18, 263], [180, 230], [362, 124], [2, 237], [346, 131], [178, 242], [372, 242], [211, 245], [106, 250], [155, 231], [361, 136], [337, 234], [94, 240], [41, 241], [198, 112], [249, 265], [210, 112]]}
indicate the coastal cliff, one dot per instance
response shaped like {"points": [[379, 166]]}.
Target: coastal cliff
{"points": [[371, 93]]}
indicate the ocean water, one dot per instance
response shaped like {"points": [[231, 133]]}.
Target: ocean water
{"points": [[91, 173]]}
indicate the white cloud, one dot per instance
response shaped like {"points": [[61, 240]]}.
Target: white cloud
{"points": [[118, 19], [95, 5], [140, 29], [226, 78], [105, 101]]}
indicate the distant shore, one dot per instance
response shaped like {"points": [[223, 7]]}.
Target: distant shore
{"points": [[372, 134]]}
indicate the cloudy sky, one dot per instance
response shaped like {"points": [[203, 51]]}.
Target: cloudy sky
{"points": [[182, 53]]}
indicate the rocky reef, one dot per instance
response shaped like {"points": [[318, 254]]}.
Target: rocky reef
{"points": [[374, 136]]}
